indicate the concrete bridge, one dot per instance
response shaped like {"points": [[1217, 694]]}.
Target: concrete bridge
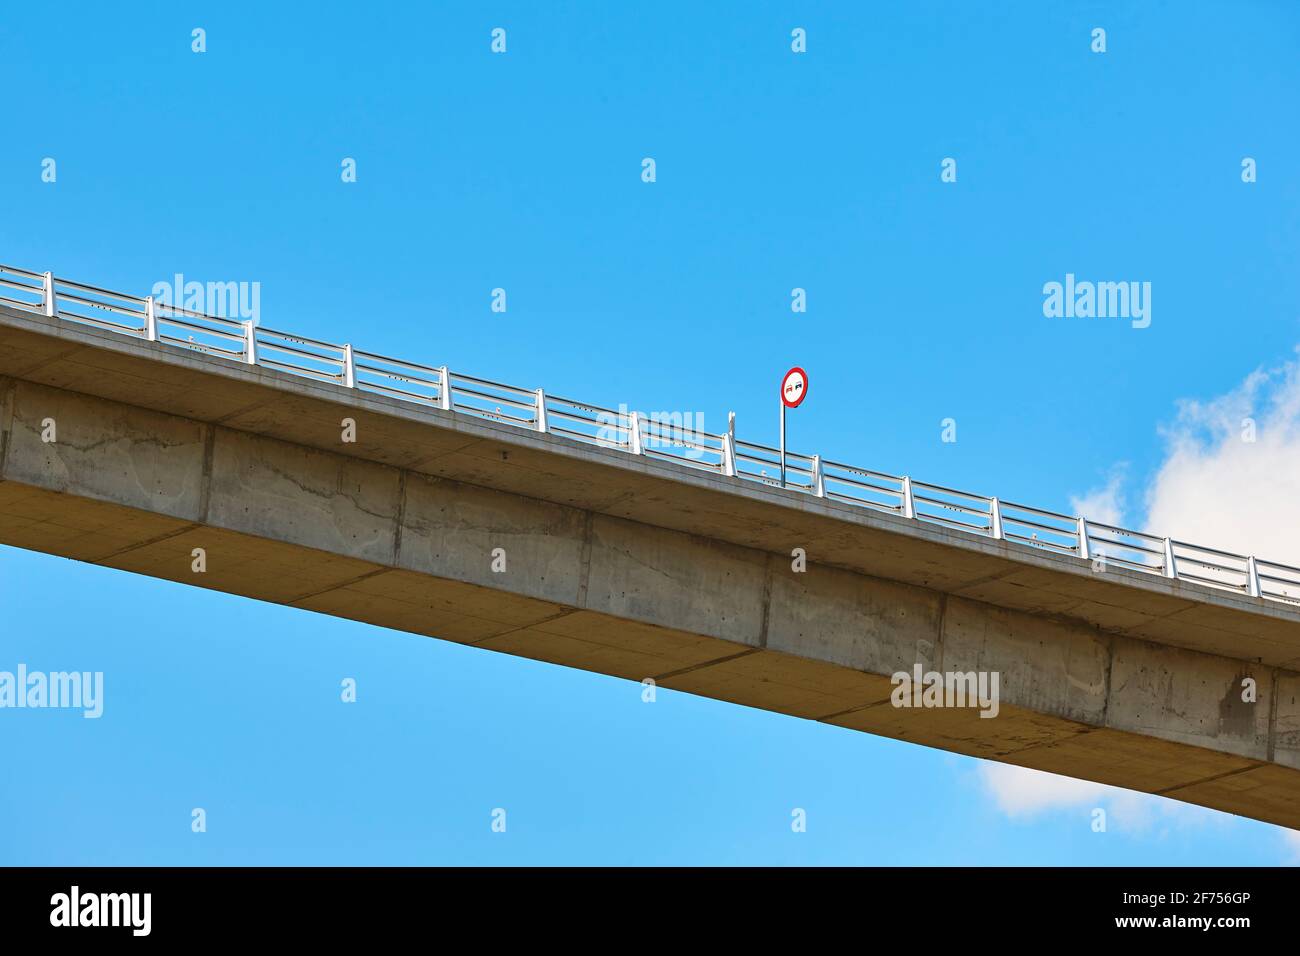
{"points": [[131, 453]]}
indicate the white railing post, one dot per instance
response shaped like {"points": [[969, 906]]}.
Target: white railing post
{"points": [[349, 367], [47, 295], [444, 389], [150, 320], [909, 506], [634, 433], [995, 518], [541, 411], [250, 342], [818, 480], [1252, 577], [1084, 551], [1171, 567], [729, 447]]}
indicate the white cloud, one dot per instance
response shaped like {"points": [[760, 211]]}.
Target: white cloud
{"points": [[1106, 503], [1292, 840], [1022, 793], [1219, 489], [1230, 478]]}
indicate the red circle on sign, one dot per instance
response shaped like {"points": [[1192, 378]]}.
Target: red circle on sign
{"points": [[794, 387]]}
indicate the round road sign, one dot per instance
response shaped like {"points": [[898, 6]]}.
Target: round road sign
{"points": [[794, 387]]}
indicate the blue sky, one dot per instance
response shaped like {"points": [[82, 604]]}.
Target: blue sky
{"points": [[523, 171]]}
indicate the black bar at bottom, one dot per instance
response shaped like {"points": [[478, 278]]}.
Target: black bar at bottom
{"points": [[332, 905]]}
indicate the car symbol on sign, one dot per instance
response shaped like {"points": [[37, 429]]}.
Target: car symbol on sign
{"points": [[794, 387]]}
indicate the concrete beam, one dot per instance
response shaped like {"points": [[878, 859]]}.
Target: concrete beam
{"points": [[637, 569]]}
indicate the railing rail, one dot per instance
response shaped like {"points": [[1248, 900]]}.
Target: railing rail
{"points": [[1047, 530], [649, 436]]}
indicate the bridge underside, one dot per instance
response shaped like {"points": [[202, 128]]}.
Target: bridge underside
{"points": [[640, 580]]}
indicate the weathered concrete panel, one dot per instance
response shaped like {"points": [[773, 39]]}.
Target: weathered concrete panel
{"points": [[132, 456], [829, 615], [1286, 720], [1044, 666], [676, 580], [300, 495], [1189, 698], [451, 529]]}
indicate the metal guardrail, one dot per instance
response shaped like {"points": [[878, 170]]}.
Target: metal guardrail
{"points": [[636, 434]]}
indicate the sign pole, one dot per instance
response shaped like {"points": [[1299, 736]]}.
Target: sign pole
{"points": [[794, 389], [783, 444]]}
